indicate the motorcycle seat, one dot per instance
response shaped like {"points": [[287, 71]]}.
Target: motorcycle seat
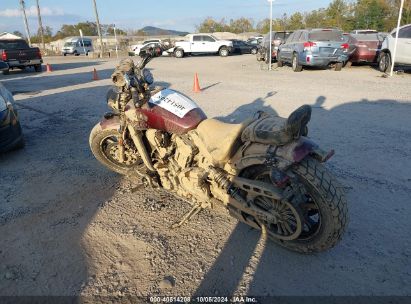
{"points": [[220, 137]]}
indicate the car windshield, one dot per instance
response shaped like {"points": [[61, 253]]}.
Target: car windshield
{"points": [[70, 44], [325, 36], [13, 44]]}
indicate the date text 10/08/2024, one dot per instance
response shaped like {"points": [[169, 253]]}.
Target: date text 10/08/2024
{"points": [[201, 299]]}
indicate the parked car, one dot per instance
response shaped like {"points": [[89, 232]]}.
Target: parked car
{"points": [[11, 136], [366, 47], [314, 47], [77, 46], [202, 43], [18, 54], [138, 48], [4, 67], [255, 40], [243, 47], [403, 55], [277, 38]]}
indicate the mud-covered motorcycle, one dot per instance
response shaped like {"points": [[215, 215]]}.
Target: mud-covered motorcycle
{"points": [[264, 170]]}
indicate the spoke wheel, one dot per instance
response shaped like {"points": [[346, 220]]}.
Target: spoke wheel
{"points": [[104, 145]]}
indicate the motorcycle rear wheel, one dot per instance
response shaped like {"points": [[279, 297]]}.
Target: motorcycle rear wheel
{"points": [[325, 213], [103, 144]]}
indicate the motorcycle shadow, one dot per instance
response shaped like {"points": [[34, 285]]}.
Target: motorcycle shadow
{"points": [[248, 110]]}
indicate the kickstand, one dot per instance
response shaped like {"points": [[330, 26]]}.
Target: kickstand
{"points": [[193, 211]]}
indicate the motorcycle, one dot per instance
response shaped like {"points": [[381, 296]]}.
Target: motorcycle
{"points": [[265, 170]]}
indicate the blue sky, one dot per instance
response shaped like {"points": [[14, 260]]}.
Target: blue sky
{"points": [[134, 14]]}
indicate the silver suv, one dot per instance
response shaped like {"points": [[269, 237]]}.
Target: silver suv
{"points": [[314, 47], [403, 56]]}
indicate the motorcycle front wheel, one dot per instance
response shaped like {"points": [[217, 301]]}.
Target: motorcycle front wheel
{"points": [[319, 215], [104, 146]]}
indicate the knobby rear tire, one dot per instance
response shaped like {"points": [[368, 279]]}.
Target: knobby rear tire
{"points": [[331, 201], [329, 198]]}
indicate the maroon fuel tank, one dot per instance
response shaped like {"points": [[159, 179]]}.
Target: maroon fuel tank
{"points": [[172, 112]]}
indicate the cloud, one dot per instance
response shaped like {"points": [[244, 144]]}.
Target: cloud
{"points": [[32, 12]]}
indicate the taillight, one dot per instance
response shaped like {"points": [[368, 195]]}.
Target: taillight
{"points": [[309, 44], [4, 56], [345, 45], [39, 54]]}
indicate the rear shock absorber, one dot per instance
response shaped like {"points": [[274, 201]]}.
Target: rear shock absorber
{"points": [[224, 181]]}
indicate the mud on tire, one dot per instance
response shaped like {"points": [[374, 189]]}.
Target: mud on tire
{"points": [[96, 139], [332, 203]]}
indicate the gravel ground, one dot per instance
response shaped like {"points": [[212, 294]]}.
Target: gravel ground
{"points": [[70, 227]]}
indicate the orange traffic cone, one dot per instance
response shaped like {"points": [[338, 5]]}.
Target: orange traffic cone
{"points": [[49, 69], [196, 87], [95, 76]]}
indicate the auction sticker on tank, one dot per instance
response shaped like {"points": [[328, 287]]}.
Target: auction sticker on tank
{"points": [[173, 102]]}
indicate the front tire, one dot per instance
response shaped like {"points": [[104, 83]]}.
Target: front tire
{"points": [[338, 66], [103, 144], [223, 52], [297, 67], [253, 51], [279, 61], [384, 64], [179, 53], [38, 68]]}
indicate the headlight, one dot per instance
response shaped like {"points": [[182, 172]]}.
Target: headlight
{"points": [[148, 77], [3, 104]]}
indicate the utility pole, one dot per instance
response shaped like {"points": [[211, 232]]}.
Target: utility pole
{"points": [[40, 26], [23, 9], [271, 36], [98, 28], [396, 38]]}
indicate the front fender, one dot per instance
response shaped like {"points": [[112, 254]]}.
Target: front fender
{"points": [[110, 121]]}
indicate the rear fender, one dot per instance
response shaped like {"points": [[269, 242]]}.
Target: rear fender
{"points": [[280, 157], [296, 151]]}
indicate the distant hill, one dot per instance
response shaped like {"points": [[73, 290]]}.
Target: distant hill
{"points": [[155, 31]]}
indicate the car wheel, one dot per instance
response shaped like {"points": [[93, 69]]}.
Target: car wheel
{"points": [[223, 52], [253, 51], [348, 64], [384, 63], [338, 66], [64, 54], [179, 53], [279, 61], [38, 68], [295, 64], [6, 72]]}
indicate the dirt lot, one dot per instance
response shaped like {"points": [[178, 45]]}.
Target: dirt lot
{"points": [[70, 227]]}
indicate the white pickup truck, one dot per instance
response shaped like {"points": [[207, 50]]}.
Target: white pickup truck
{"points": [[202, 43]]}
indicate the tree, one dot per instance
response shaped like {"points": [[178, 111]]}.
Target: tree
{"points": [[315, 19], [209, 25], [296, 22], [337, 13], [241, 25], [17, 33]]}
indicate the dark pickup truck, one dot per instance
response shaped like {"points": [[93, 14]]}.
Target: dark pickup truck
{"points": [[18, 54]]}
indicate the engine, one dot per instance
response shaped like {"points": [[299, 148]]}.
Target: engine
{"points": [[176, 165]]}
